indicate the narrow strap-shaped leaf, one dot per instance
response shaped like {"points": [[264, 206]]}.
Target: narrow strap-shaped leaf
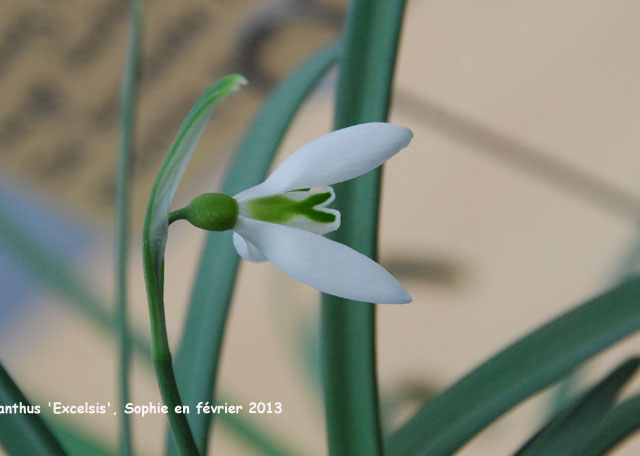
{"points": [[565, 433], [565, 391], [621, 421], [123, 203], [154, 239], [197, 361], [348, 328], [21, 433], [532, 363]]}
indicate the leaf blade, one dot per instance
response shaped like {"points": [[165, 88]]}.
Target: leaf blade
{"points": [[564, 433], [348, 327], [525, 367], [123, 204], [622, 421]]}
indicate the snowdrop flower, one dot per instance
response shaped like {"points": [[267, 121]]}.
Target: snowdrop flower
{"points": [[283, 218]]}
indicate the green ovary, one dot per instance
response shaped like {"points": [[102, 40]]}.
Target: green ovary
{"points": [[280, 209]]}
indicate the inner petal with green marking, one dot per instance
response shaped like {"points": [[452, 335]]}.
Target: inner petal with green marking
{"points": [[303, 209]]}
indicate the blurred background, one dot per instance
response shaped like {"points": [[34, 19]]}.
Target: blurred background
{"points": [[518, 198]]}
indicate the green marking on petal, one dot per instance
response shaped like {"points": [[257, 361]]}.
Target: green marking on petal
{"points": [[280, 209]]}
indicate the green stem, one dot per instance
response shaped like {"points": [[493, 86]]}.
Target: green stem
{"points": [[171, 398], [349, 356], [123, 187], [179, 214], [161, 356]]}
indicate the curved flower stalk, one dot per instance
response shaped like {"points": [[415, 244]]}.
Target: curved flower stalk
{"points": [[283, 218]]}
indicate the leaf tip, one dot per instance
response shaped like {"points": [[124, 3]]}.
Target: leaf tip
{"points": [[238, 80]]}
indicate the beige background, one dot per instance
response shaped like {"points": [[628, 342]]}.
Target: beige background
{"points": [[487, 249]]}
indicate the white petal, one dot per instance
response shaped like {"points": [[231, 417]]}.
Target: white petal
{"points": [[247, 250], [323, 264], [336, 157], [300, 221]]}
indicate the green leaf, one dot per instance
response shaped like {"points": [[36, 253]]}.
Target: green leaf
{"points": [[566, 432], [534, 362], [154, 239], [197, 361], [565, 391], [348, 328], [123, 203], [23, 434], [621, 421]]}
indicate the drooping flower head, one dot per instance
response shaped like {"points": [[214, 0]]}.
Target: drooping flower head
{"points": [[283, 218]]}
